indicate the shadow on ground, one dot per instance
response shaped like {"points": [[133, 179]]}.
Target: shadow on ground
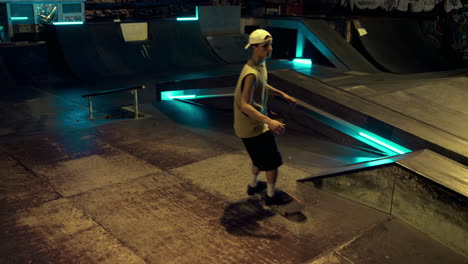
{"points": [[242, 219]]}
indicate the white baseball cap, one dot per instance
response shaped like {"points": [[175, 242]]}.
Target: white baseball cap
{"points": [[258, 36]]}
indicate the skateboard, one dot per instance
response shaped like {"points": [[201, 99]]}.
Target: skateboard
{"points": [[289, 205]]}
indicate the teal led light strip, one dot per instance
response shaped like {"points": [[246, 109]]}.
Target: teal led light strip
{"points": [[381, 143], [303, 61], [386, 146], [189, 18], [300, 44], [69, 23], [18, 18], [193, 96], [214, 95], [190, 96]]}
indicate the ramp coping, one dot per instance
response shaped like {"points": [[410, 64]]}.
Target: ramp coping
{"points": [[425, 163]]}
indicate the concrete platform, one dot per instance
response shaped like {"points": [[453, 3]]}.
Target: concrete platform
{"points": [[170, 188], [410, 122]]}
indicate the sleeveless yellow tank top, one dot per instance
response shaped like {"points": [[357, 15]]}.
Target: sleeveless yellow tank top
{"points": [[244, 126]]}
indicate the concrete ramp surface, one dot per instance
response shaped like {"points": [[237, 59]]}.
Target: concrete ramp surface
{"points": [[423, 188], [342, 49], [97, 50], [400, 45], [230, 47], [327, 41]]}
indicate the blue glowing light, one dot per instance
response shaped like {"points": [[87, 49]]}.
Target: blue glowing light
{"points": [[300, 44], [190, 96], [386, 146], [69, 23], [19, 18], [374, 139], [362, 159], [171, 95], [303, 61], [379, 162], [189, 18]]}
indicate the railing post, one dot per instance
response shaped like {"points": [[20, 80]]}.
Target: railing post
{"points": [[90, 103], [133, 90], [135, 102]]}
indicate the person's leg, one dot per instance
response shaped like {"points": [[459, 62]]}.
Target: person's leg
{"points": [[271, 176], [272, 197], [255, 186], [255, 172]]}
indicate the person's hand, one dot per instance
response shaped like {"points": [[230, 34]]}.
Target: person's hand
{"points": [[291, 100], [276, 126]]}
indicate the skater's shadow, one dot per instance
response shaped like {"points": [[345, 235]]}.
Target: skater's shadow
{"points": [[241, 219]]}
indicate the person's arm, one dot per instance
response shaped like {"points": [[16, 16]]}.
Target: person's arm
{"points": [[274, 91], [246, 107]]}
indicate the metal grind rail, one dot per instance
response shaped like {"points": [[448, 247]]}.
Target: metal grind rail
{"points": [[133, 90]]}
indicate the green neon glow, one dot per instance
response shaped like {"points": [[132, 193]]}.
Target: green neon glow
{"points": [[180, 94], [189, 18], [379, 162], [352, 130], [19, 18], [169, 95], [363, 159], [303, 61], [190, 96], [299, 44], [388, 147], [69, 23], [381, 143], [213, 95]]}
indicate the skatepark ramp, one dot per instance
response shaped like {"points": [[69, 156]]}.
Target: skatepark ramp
{"points": [[330, 44], [31, 62], [422, 188], [230, 47], [401, 45], [369, 115], [221, 27], [426, 187], [102, 50]]}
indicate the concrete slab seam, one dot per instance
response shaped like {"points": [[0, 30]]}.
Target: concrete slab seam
{"points": [[113, 184], [346, 244], [393, 192], [43, 180], [343, 256], [105, 229]]}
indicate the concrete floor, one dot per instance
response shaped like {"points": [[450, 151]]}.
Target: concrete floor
{"points": [[170, 188]]}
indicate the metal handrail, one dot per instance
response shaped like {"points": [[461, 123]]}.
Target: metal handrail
{"points": [[134, 91]]}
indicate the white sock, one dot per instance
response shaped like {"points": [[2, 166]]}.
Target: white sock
{"points": [[254, 181], [270, 189]]}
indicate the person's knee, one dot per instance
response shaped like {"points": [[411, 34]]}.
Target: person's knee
{"points": [[273, 171], [255, 169]]}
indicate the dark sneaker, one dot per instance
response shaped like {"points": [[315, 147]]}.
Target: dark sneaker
{"points": [[261, 186], [277, 199]]}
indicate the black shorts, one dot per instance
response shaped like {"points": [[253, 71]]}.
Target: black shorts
{"points": [[263, 151]]}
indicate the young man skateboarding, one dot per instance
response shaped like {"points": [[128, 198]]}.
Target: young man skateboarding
{"points": [[251, 122]]}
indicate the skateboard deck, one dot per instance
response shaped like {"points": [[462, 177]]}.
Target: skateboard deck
{"points": [[289, 205]]}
